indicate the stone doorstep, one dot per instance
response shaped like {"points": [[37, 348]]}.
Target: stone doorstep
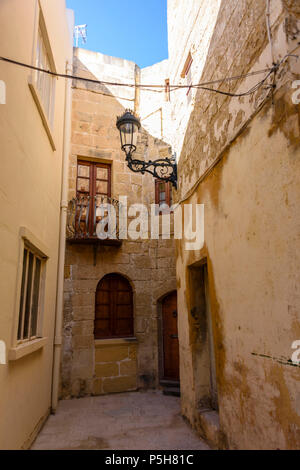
{"points": [[172, 391], [207, 423], [170, 387], [100, 343]]}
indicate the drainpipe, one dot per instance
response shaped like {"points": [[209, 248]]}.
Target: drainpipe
{"points": [[62, 241]]}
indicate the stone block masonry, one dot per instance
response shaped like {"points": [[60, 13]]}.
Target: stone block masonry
{"points": [[115, 366], [89, 366], [240, 158]]}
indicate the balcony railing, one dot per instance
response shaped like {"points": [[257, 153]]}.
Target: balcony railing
{"points": [[85, 213]]}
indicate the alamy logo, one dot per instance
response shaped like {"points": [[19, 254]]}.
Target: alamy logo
{"points": [[2, 92], [296, 94], [135, 222], [2, 353], [296, 355]]}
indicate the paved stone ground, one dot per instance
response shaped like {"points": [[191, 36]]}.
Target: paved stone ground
{"points": [[128, 421]]}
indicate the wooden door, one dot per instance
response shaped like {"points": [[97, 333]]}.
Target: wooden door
{"points": [[114, 308], [170, 337]]}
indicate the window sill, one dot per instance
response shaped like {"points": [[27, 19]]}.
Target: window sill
{"points": [[114, 341], [40, 107], [26, 348]]}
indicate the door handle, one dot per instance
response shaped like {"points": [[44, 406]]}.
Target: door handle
{"points": [[174, 336]]}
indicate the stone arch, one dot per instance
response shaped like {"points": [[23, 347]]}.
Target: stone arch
{"points": [[161, 292]]}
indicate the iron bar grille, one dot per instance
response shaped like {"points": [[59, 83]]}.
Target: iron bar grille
{"points": [[84, 216]]}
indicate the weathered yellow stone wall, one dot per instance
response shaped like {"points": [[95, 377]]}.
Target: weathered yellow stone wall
{"points": [[115, 366], [30, 190], [240, 158], [149, 265]]}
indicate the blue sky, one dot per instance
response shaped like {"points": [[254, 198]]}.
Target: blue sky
{"points": [[131, 29]]}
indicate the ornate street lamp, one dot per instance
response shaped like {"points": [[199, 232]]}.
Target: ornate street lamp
{"points": [[164, 169]]}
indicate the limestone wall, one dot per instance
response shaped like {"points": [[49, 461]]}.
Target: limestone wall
{"points": [[149, 265], [115, 366], [250, 146], [154, 108]]}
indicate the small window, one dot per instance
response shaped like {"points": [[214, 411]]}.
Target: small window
{"points": [[187, 74], [29, 309], [167, 90], [45, 83], [163, 193], [114, 308]]}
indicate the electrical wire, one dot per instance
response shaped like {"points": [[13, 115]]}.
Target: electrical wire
{"points": [[191, 191], [247, 93], [134, 85], [204, 85]]}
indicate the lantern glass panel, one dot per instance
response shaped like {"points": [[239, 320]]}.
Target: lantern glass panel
{"points": [[129, 134]]}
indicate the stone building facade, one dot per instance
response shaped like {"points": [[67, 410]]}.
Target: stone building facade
{"points": [[32, 152], [101, 366], [234, 300], [238, 156], [238, 299]]}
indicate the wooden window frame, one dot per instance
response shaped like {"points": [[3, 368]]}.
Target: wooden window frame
{"points": [[47, 117], [44, 82], [168, 191], [113, 314], [30, 245], [93, 186], [30, 296], [93, 173]]}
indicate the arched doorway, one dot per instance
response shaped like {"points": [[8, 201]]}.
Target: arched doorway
{"points": [[114, 308], [170, 338]]}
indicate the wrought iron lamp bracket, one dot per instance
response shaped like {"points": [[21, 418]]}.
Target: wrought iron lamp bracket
{"points": [[164, 169]]}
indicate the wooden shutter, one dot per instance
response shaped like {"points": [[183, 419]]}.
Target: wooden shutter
{"points": [[163, 192], [93, 183], [93, 179], [114, 308]]}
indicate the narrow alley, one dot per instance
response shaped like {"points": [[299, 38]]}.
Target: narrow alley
{"points": [[135, 421], [150, 226]]}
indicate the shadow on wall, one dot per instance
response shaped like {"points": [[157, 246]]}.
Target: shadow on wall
{"points": [[214, 124]]}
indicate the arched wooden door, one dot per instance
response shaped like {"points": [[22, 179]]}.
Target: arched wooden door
{"points": [[114, 308], [170, 337]]}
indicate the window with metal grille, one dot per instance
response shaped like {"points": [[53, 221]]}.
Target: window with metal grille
{"points": [[29, 310], [113, 308]]}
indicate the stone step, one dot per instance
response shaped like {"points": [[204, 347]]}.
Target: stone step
{"points": [[172, 391], [170, 383]]}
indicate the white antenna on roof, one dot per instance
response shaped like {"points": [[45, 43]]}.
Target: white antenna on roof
{"points": [[80, 32]]}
